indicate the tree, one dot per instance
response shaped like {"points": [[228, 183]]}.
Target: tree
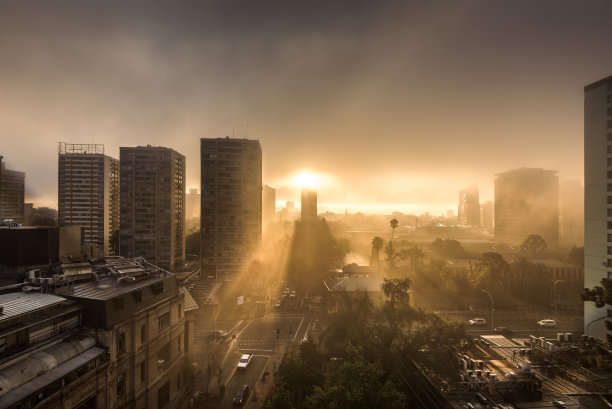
{"points": [[415, 254], [352, 382], [600, 295], [576, 256], [491, 270], [377, 244], [391, 257], [448, 249], [393, 223], [534, 246]]}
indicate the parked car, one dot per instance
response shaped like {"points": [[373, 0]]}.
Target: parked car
{"points": [[559, 404], [245, 360], [547, 323], [477, 321], [505, 331], [241, 396]]}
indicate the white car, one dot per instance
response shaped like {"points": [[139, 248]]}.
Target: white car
{"points": [[245, 360], [547, 323], [477, 321], [292, 294]]}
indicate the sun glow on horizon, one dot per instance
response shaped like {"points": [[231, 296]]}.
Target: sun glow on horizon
{"points": [[307, 179]]}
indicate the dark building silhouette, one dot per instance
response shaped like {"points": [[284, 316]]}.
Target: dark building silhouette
{"points": [[231, 204], [526, 202], [468, 213], [309, 205], [12, 194], [88, 193], [268, 204], [153, 205]]}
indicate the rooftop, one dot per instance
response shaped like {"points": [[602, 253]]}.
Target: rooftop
{"points": [[19, 303]]}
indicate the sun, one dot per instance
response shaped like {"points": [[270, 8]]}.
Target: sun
{"points": [[306, 180]]}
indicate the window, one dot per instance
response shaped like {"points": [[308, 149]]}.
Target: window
{"points": [[143, 334], [143, 371], [179, 342], [163, 320], [120, 342], [180, 310]]}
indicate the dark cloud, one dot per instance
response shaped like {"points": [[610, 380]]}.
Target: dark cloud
{"points": [[389, 92]]}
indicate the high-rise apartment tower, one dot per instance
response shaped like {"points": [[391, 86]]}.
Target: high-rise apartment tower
{"points": [[231, 204], [526, 202], [597, 197], [308, 205], [468, 213], [12, 194], [153, 205], [88, 193]]}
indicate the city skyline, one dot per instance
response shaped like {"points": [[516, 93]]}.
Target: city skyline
{"points": [[327, 89]]}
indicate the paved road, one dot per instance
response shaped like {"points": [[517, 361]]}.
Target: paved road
{"points": [[248, 376]]}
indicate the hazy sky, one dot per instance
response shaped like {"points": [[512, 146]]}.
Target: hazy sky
{"points": [[400, 103]]}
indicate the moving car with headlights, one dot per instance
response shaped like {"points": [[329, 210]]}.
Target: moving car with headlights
{"points": [[241, 396], [547, 323]]}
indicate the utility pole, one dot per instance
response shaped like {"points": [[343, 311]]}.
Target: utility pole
{"points": [[491, 297]]}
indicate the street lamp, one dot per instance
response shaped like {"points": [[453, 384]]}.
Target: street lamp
{"points": [[554, 298], [489, 294]]}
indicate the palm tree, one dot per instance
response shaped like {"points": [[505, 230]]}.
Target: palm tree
{"points": [[377, 244], [393, 223]]}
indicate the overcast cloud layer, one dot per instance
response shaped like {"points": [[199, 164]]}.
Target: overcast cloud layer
{"points": [[399, 103]]}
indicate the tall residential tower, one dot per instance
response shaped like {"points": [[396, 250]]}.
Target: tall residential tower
{"points": [[597, 197], [88, 193], [12, 194], [153, 205], [231, 204], [468, 213]]}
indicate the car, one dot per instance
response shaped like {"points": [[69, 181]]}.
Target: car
{"points": [[245, 360], [292, 294], [559, 404], [477, 321], [241, 396], [218, 334], [505, 331], [547, 323]]}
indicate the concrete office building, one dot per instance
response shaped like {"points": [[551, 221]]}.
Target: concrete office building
{"points": [[12, 194], [526, 202], [308, 205], [88, 193], [231, 204], [112, 333], [268, 205], [153, 205], [597, 197], [468, 213]]}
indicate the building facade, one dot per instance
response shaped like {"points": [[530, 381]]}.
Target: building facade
{"points": [[12, 194], [153, 205], [597, 197], [231, 204], [268, 205], [526, 202], [571, 213], [309, 205], [468, 213], [88, 193]]}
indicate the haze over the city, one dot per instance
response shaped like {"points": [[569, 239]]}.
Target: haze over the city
{"points": [[394, 105]]}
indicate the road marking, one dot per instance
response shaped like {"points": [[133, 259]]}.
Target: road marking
{"points": [[297, 330], [261, 350], [230, 378], [255, 384], [245, 327], [307, 330]]}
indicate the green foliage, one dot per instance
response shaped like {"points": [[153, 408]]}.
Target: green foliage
{"points": [[391, 258], [534, 246], [576, 256], [533, 283], [490, 270], [377, 244], [600, 295], [356, 384], [448, 249], [393, 223], [415, 255], [313, 252]]}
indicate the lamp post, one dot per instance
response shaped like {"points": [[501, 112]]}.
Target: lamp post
{"points": [[489, 294], [554, 298]]}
